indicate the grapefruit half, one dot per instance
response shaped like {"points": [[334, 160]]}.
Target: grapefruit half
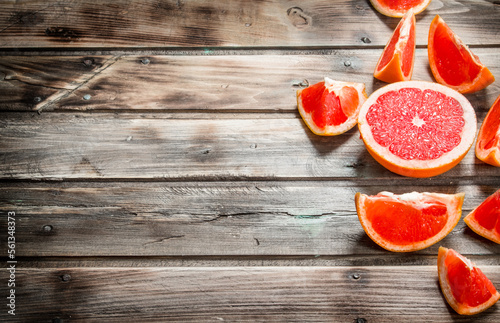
{"points": [[416, 128], [485, 219], [488, 139], [452, 62], [465, 287], [331, 107], [408, 222], [397, 8], [396, 62]]}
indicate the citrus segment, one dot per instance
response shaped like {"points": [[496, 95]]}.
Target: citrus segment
{"points": [[396, 62], [488, 139], [451, 61], [397, 8], [465, 287], [331, 107], [408, 222], [485, 219], [417, 129]]}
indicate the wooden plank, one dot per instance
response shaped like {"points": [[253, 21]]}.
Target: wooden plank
{"points": [[260, 82], [270, 294], [165, 147], [141, 23], [233, 219]]}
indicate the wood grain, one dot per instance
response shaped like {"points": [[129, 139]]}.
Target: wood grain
{"points": [[291, 294], [160, 23], [165, 147], [235, 219], [265, 82]]}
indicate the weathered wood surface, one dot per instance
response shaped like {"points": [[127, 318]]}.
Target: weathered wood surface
{"points": [[212, 82], [227, 23], [207, 147], [250, 294], [239, 219], [167, 175]]}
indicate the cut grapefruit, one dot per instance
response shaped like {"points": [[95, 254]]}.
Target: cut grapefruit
{"points": [[331, 107], [451, 61], [397, 8], [488, 139], [485, 219], [396, 62], [416, 128], [408, 222], [465, 287]]}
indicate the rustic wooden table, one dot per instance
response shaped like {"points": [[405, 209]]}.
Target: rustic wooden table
{"points": [[158, 170]]}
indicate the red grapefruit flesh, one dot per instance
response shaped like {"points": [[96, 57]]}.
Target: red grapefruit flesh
{"points": [[417, 129], [488, 139], [452, 62], [485, 219], [397, 8], [396, 62], [408, 222], [465, 287], [331, 107]]}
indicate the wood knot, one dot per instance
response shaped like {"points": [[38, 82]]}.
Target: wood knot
{"points": [[298, 18], [61, 33]]}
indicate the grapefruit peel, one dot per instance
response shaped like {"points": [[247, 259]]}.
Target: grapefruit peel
{"points": [[350, 97], [485, 218], [417, 167], [417, 220], [458, 292], [488, 138], [397, 59], [397, 9]]}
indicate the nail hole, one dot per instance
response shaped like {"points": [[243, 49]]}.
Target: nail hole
{"points": [[47, 228], [356, 276], [366, 40], [145, 61], [65, 277], [37, 99], [360, 320]]}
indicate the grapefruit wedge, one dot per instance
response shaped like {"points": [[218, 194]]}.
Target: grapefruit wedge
{"points": [[408, 222], [464, 285], [331, 107], [396, 62], [485, 219], [488, 139], [397, 8], [452, 62], [416, 128]]}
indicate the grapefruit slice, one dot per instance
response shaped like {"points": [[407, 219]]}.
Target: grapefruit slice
{"points": [[396, 62], [397, 8], [451, 61], [331, 107], [485, 219], [465, 287], [488, 139], [408, 222], [416, 128]]}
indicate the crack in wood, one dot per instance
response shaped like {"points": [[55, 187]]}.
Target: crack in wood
{"points": [[164, 239]]}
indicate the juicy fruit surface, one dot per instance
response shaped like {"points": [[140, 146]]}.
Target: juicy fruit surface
{"points": [[465, 286], [488, 139], [400, 4], [331, 107], [323, 105], [396, 61], [485, 219], [408, 222], [416, 124], [451, 61]]}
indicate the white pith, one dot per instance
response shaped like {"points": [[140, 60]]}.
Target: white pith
{"points": [[467, 138]]}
